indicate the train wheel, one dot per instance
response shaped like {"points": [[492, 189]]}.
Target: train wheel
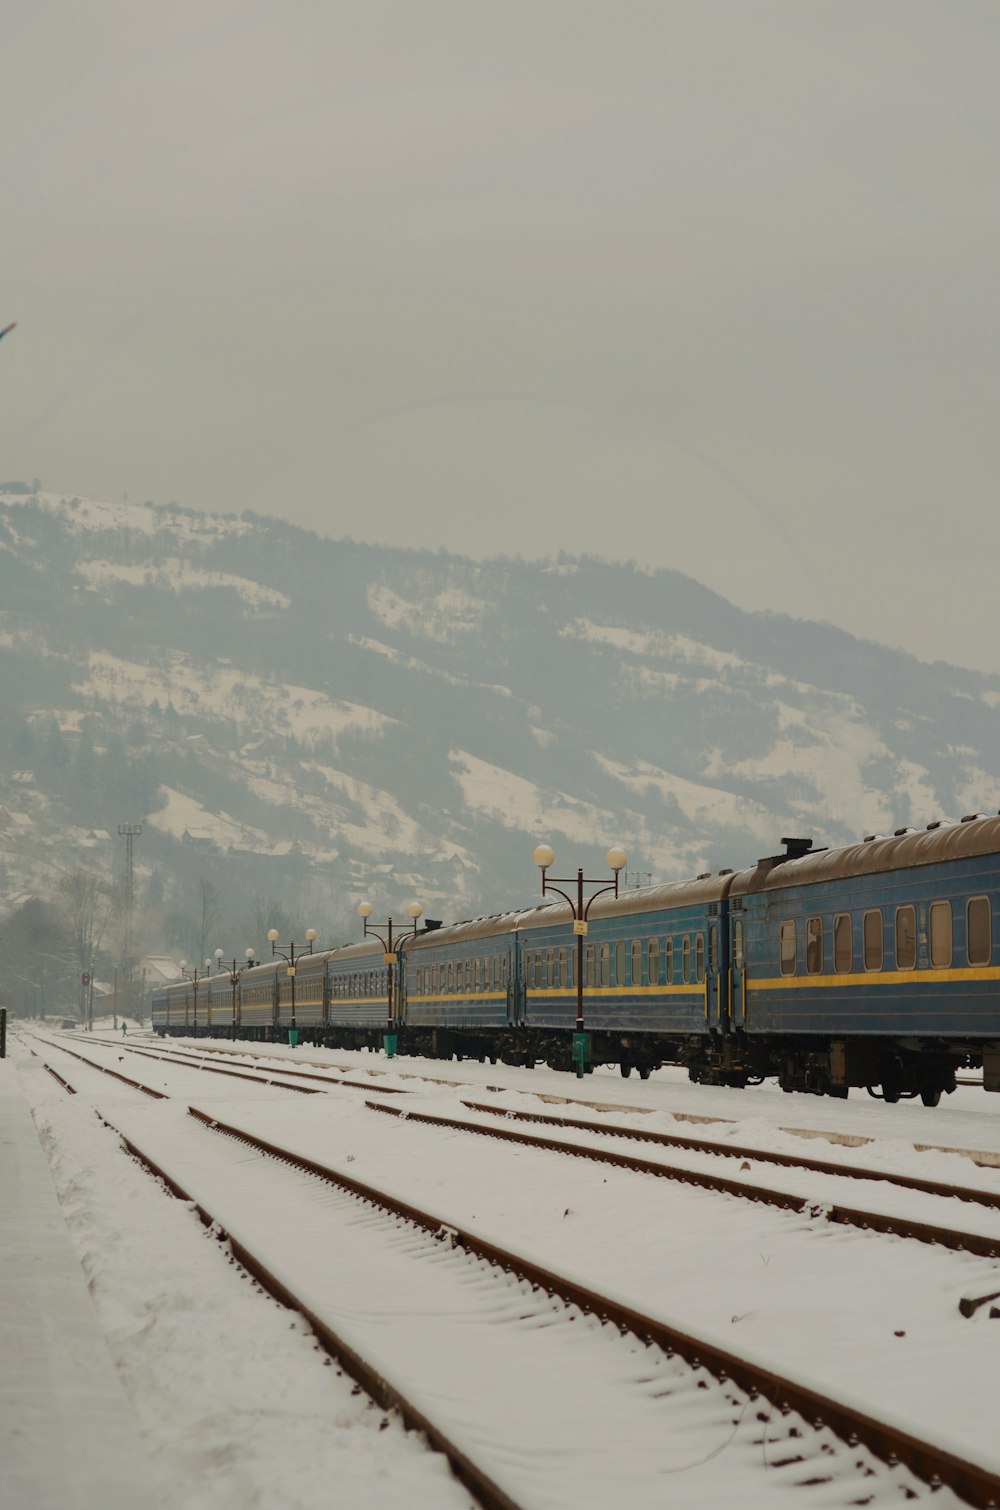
{"points": [[625, 1068], [930, 1098], [644, 1072]]}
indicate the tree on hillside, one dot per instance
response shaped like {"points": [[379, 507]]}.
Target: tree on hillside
{"points": [[265, 913], [85, 904], [38, 970], [209, 914]]}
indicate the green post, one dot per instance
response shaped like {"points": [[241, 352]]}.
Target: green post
{"points": [[293, 1038], [389, 1042], [581, 1053]]}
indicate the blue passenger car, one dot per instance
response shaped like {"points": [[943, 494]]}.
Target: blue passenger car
{"points": [[876, 964]]}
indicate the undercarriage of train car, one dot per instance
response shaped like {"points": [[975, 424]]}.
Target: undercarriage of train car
{"points": [[889, 1069]]}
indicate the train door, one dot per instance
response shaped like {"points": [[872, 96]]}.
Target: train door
{"points": [[737, 972], [709, 965], [516, 1008], [399, 983]]}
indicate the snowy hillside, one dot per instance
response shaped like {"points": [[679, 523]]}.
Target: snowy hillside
{"points": [[316, 720]]}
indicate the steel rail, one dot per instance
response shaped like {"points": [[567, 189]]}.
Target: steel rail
{"points": [[387, 1395], [935, 1465], [211, 1069], [971, 1482], [71, 1089], [924, 1232], [104, 1070], [987, 1198], [178, 1057]]}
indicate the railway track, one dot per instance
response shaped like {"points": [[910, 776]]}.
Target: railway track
{"points": [[259, 1077], [983, 1245], [677, 1382], [988, 1198], [984, 1158]]}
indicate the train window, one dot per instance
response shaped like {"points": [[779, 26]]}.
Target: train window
{"points": [[496, 972], [713, 948], [787, 947], [451, 975], [589, 978], [978, 942], [620, 963], [814, 946], [653, 962], [636, 962], [504, 967], [686, 958], [699, 957], [550, 968], [906, 938], [605, 959], [562, 979], [468, 976], [477, 975], [420, 981], [843, 943], [668, 961], [539, 968], [873, 939], [738, 944]]}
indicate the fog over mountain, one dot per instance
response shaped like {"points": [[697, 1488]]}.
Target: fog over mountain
{"points": [[302, 722]]}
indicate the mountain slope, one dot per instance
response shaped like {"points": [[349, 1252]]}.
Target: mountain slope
{"points": [[314, 720]]}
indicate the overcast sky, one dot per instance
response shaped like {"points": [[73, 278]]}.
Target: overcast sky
{"points": [[710, 284]]}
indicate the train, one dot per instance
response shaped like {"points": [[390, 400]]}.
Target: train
{"points": [[871, 966]]}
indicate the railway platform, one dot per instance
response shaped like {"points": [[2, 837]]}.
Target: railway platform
{"points": [[68, 1435]]}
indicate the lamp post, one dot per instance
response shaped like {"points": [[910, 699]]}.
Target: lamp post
{"points": [[391, 957], [233, 972], [193, 976], [288, 954], [616, 859]]}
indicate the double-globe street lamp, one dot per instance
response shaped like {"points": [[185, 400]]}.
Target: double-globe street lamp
{"points": [[233, 972], [616, 859], [288, 954], [390, 947], [193, 976]]}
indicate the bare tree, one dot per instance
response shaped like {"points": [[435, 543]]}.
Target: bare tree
{"points": [[85, 903], [267, 913], [209, 914]]}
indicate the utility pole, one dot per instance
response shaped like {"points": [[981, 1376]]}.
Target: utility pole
{"points": [[129, 832]]}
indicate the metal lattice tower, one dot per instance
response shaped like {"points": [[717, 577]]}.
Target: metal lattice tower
{"points": [[129, 832]]}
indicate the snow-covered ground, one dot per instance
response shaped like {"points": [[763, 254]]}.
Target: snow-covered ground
{"points": [[237, 1409]]}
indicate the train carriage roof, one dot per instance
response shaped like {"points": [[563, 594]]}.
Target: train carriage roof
{"points": [[548, 914], [935, 846]]}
